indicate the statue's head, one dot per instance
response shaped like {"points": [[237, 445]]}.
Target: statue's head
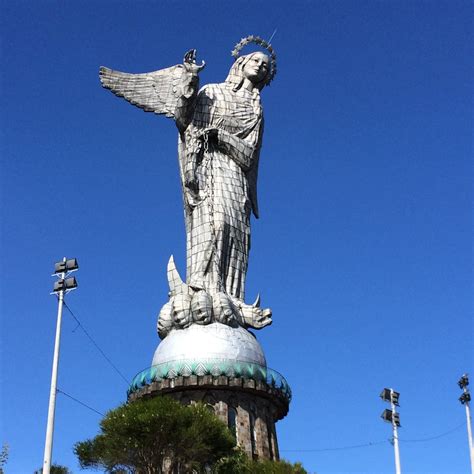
{"points": [[255, 67], [258, 68]]}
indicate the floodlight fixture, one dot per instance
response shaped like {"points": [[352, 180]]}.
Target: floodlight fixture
{"points": [[385, 395], [65, 285], [396, 419], [391, 417], [386, 415], [395, 397], [465, 398], [390, 395], [71, 283], [463, 381], [59, 286], [66, 266]]}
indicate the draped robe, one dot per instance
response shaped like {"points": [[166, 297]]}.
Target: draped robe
{"points": [[217, 213]]}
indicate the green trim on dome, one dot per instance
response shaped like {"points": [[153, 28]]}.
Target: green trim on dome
{"points": [[215, 367]]}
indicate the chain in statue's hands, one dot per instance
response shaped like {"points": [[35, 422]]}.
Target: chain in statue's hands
{"points": [[212, 135]]}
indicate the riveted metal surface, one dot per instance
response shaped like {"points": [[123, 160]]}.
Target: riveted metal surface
{"points": [[214, 341]]}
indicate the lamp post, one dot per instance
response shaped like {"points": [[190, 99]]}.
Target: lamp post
{"points": [[62, 286], [465, 398], [391, 416]]}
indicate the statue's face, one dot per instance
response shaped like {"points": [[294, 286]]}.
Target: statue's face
{"points": [[256, 67]]}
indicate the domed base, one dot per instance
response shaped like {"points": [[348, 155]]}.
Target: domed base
{"points": [[214, 341], [225, 368]]}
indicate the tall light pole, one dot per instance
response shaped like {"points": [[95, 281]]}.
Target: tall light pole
{"points": [[391, 416], [62, 286], [465, 398]]}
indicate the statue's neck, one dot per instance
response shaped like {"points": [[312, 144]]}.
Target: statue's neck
{"points": [[248, 85]]}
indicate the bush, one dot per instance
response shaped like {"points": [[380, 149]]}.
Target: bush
{"points": [[149, 434]]}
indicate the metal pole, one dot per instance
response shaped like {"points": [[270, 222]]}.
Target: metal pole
{"points": [[469, 431], [48, 448], [395, 435]]}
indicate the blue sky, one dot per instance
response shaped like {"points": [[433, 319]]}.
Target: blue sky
{"points": [[364, 245]]}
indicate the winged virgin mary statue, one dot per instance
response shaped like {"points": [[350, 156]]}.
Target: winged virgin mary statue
{"points": [[220, 131]]}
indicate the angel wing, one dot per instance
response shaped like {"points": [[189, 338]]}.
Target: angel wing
{"points": [[168, 91], [157, 91]]}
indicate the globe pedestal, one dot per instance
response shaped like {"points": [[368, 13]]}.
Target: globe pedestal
{"points": [[225, 368]]}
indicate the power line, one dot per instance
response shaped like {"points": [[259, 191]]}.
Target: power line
{"points": [[95, 344], [355, 446], [433, 437], [339, 448], [80, 403]]}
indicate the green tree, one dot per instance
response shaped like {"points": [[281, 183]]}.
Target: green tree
{"points": [[276, 467], [4, 456], [239, 463], [150, 434], [55, 469]]}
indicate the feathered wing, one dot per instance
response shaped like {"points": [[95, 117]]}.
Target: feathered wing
{"points": [[158, 91]]}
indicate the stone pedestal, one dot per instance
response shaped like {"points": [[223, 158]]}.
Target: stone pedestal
{"points": [[225, 368]]}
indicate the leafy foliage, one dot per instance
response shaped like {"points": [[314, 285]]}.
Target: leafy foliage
{"points": [[4, 456], [148, 434], [55, 469], [239, 463]]}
